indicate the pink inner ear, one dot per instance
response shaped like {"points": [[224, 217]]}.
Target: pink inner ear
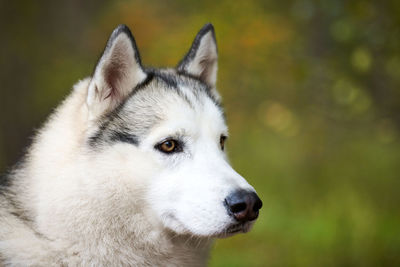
{"points": [[114, 72], [112, 75], [206, 64]]}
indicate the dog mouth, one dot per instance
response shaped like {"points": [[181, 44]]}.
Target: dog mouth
{"points": [[229, 229], [235, 229]]}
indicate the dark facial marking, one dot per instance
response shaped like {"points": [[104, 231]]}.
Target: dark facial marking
{"points": [[112, 130], [124, 137], [100, 135], [170, 80]]}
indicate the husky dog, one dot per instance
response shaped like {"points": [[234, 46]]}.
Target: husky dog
{"points": [[130, 170]]}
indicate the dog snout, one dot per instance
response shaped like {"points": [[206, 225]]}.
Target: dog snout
{"points": [[243, 205]]}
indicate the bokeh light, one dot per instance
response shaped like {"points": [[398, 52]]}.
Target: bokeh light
{"points": [[312, 96]]}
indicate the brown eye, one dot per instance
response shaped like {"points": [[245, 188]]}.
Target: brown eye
{"points": [[169, 146], [222, 140]]}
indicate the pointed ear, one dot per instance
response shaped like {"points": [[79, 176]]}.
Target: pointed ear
{"points": [[117, 72], [201, 60]]}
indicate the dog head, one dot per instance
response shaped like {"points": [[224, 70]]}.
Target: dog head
{"points": [[169, 128]]}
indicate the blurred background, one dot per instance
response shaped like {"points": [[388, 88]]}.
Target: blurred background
{"points": [[312, 93]]}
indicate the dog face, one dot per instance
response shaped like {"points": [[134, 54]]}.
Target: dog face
{"points": [[171, 118]]}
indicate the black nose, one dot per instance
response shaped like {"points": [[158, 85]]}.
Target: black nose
{"points": [[243, 205]]}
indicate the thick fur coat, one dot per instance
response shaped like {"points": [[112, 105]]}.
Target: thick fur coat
{"points": [[130, 170]]}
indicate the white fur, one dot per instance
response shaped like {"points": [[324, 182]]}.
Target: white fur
{"points": [[122, 205]]}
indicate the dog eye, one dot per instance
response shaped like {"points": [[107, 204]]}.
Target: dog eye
{"points": [[169, 146], [222, 140]]}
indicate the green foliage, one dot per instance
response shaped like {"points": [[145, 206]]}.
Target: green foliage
{"points": [[312, 93]]}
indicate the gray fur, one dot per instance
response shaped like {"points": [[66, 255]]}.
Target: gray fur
{"points": [[135, 117]]}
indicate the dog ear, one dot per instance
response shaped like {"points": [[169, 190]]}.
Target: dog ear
{"points": [[201, 60], [117, 72]]}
